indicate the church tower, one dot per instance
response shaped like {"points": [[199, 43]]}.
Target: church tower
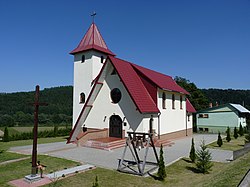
{"points": [[89, 57]]}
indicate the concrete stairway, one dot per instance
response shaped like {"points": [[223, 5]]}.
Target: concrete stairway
{"points": [[105, 144]]}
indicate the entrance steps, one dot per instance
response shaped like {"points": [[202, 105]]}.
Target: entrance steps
{"points": [[107, 144]]}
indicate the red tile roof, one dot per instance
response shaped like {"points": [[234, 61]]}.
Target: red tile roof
{"points": [[134, 86], [189, 107], [92, 40], [162, 81]]}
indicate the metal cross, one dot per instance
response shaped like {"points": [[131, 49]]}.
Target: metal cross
{"points": [[36, 104], [93, 15]]}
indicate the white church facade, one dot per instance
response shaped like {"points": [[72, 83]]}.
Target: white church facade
{"points": [[113, 96]]}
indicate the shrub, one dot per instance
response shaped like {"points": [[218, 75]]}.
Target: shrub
{"points": [[192, 154], [95, 183], [204, 158], [228, 138], [235, 133], [241, 131], [219, 140], [247, 137], [6, 135], [161, 170]]}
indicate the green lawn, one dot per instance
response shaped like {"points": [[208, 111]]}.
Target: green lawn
{"points": [[16, 130], [233, 145], [181, 173], [4, 146], [22, 168]]}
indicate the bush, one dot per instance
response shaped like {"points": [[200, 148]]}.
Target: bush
{"points": [[219, 140], [235, 133], [95, 183], [6, 135], [228, 138], [161, 170], [241, 131], [204, 158], [192, 154], [247, 137]]}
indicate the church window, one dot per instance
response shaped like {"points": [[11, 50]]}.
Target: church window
{"points": [[173, 101], [181, 102], [188, 117], [102, 59], [82, 98], [83, 58], [116, 95], [164, 100]]}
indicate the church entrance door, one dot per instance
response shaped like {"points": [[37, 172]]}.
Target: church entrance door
{"points": [[115, 126]]}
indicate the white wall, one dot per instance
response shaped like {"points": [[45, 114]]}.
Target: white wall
{"points": [[172, 120], [103, 108], [84, 74]]}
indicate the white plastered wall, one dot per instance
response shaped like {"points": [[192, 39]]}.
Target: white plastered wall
{"points": [[103, 108], [84, 73], [172, 120]]}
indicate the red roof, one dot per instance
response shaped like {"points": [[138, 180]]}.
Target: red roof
{"points": [[189, 107], [92, 40], [134, 86], [162, 81]]}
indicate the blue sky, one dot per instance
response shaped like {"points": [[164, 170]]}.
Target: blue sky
{"points": [[204, 41]]}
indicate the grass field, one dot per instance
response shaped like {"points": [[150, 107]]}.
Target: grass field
{"points": [[4, 146], [181, 173], [22, 168], [233, 145], [16, 130]]}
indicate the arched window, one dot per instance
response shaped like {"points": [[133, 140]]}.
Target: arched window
{"points": [[116, 95], [83, 58], [180, 101], [164, 100], [102, 59], [82, 98], [173, 101]]}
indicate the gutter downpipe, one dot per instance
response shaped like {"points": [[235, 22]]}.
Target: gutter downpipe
{"points": [[159, 124]]}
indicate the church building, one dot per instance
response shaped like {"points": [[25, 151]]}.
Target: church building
{"points": [[113, 96]]}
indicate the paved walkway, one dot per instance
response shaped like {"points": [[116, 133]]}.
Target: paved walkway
{"points": [[110, 159]]}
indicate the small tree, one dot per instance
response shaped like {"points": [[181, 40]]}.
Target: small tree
{"points": [[247, 137], [161, 170], [219, 140], [192, 154], [235, 133], [95, 183], [55, 130], [241, 131], [228, 138], [204, 158], [6, 135]]}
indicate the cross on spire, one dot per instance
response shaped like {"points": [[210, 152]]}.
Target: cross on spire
{"points": [[93, 16]]}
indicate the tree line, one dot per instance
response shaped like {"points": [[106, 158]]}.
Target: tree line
{"points": [[17, 109]]}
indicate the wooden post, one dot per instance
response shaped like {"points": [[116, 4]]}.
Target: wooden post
{"points": [[35, 129]]}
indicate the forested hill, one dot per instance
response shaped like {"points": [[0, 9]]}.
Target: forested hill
{"points": [[16, 108], [228, 96]]}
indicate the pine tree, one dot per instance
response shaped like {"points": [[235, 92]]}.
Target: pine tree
{"points": [[161, 170], [219, 140], [95, 184], [228, 138], [192, 154], [6, 135], [204, 158], [241, 132], [235, 133]]}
